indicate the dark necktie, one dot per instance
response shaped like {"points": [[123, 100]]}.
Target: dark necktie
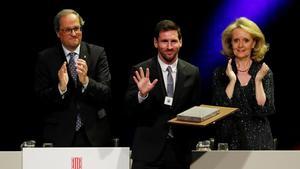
{"points": [[78, 122], [72, 69], [170, 82]]}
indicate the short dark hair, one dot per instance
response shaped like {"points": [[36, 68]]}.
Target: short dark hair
{"points": [[166, 25]]}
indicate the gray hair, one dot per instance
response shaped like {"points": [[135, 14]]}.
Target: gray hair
{"points": [[65, 12]]}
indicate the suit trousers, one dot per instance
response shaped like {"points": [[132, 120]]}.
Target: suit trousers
{"points": [[169, 159], [80, 139]]}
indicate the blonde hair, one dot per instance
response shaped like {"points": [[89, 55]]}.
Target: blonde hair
{"points": [[260, 48]]}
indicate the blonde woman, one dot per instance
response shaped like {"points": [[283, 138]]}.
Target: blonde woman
{"points": [[247, 83]]}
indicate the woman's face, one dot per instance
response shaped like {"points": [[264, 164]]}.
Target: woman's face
{"points": [[242, 43]]}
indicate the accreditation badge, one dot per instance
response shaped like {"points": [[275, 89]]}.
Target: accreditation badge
{"points": [[168, 101]]}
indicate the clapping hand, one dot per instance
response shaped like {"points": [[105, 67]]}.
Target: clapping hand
{"points": [[262, 72], [63, 77], [229, 72]]}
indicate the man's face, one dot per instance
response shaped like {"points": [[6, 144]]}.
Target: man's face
{"points": [[69, 32], [168, 45]]}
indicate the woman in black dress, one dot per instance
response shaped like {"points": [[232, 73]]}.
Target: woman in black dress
{"points": [[246, 83]]}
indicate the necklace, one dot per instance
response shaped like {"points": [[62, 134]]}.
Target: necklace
{"points": [[239, 70], [245, 70]]}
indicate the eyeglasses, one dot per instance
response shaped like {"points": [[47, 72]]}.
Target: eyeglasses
{"points": [[76, 29]]}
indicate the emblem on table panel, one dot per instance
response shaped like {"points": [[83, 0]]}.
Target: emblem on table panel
{"points": [[76, 163]]}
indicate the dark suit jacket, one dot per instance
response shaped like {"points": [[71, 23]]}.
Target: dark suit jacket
{"points": [[60, 112], [152, 114]]}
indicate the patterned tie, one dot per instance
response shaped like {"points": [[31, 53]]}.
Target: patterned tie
{"points": [[78, 122], [72, 69], [170, 82], [72, 66]]}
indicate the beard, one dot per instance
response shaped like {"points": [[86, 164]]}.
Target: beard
{"points": [[169, 58]]}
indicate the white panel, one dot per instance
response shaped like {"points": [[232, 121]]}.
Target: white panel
{"points": [[61, 158]]}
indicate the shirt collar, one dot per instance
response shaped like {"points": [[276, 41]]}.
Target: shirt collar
{"points": [[66, 51], [164, 66]]}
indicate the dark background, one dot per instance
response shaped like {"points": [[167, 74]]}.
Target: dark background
{"points": [[125, 30]]}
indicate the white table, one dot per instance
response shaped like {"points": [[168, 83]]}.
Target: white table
{"points": [[10, 159], [248, 160]]}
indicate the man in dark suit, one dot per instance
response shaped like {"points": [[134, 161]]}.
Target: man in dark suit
{"points": [[73, 82], [162, 87]]}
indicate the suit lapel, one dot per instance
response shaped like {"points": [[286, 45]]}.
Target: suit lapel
{"points": [[159, 90], [84, 52], [61, 54], [179, 81]]}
